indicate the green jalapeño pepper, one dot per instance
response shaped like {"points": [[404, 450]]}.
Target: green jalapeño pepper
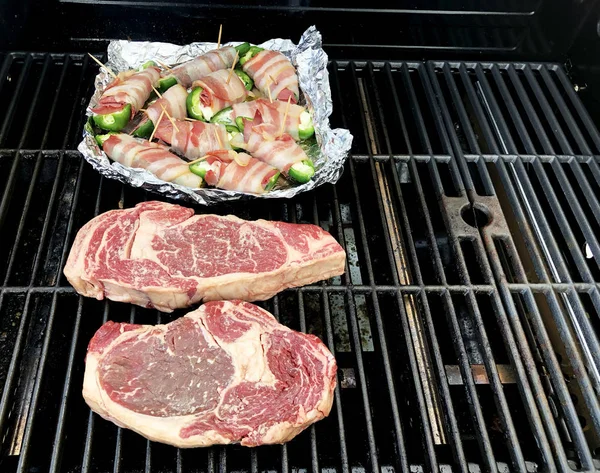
{"points": [[242, 48], [302, 172], [200, 168], [115, 121], [239, 122], [253, 51], [100, 139], [271, 182], [224, 117], [146, 65], [144, 130], [306, 128], [194, 106], [245, 78], [165, 83]]}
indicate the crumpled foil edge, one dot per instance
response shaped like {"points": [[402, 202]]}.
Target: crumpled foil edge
{"points": [[311, 64]]}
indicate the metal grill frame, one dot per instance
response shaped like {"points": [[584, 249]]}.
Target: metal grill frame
{"points": [[538, 374]]}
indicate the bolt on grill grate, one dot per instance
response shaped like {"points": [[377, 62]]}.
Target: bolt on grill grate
{"points": [[465, 329]]}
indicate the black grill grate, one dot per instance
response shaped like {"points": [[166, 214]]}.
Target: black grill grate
{"points": [[462, 345]]}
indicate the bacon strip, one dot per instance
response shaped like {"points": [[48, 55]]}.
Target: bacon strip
{"points": [[264, 143], [272, 113], [251, 178], [201, 66], [134, 90], [217, 93], [153, 157], [194, 139], [174, 102], [272, 70]]}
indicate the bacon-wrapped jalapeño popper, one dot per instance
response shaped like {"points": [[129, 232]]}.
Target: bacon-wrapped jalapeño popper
{"points": [[229, 170], [193, 139], [153, 157], [265, 142], [273, 74], [214, 92], [173, 101], [298, 120], [123, 97], [194, 69]]}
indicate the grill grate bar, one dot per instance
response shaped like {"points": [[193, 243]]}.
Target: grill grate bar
{"points": [[59, 436], [337, 219], [89, 437], [581, 324], [37, 169], [353, 323], [23, 448], [442, 381], [388, 224], [488, 357], [502, 320], [569, 193], [15, 99], [59, 171], [559, 288], [6, 400], [506, 289], [473, 404], [40, 374], [531, 369], [453, 428]]}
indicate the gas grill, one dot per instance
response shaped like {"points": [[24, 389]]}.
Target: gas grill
{"points": [[466, 326]]}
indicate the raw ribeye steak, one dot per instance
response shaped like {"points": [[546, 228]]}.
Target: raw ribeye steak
{"points": [[162, 255], [227, 372]]}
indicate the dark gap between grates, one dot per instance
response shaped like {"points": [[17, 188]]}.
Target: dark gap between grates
{"points": [[22, 259], [564, 171], [569, 96], [511, 81], [520, 148], [562, 121], [555, 227], [439, 229], [527, 80], [523, 247]]}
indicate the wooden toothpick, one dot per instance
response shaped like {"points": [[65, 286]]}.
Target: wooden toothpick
{"points": [[237, 53], [218, 138], [219, 40], [273, 80], [102, 65], [162, 114], [190, 119], [199, 159], [169, 117], [269, 90], [157, 92], [287, 109], [164, 66]]}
